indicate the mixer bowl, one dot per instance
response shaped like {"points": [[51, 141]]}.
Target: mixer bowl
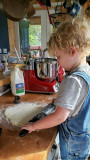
{"points": [[46, 68]]}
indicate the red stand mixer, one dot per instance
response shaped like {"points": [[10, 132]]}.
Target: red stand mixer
{"points": [[40, 74]]}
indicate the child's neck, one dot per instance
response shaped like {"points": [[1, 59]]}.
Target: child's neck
{"points": [[79, 63]]}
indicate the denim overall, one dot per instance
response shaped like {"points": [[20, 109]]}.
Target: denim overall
{"points": [[75, 131]]}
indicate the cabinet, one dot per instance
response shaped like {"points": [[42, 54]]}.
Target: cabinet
{"points": [[4, 37], [11, 32]]}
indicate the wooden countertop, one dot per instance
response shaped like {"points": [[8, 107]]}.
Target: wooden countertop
{"points": [[34, 146], [4, 79]]}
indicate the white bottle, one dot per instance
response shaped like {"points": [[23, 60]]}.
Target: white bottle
{"points": [[17, 82]]}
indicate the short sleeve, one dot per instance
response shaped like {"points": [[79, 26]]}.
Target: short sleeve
{"points": [[69, 92]]}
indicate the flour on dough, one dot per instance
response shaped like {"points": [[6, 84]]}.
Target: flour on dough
{"points": [[20, 114]]}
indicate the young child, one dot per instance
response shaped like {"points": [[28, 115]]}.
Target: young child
{"points": [[70, 43]]}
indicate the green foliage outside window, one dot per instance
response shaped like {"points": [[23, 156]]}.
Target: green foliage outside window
{"points": [[35, 35]]}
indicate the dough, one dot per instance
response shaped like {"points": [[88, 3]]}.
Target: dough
{"points": [[20, 114]]}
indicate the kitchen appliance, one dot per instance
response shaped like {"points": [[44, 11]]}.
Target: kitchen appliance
{"points": [[50, 108], [40, 74]]}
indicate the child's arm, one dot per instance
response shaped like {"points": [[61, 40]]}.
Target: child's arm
{"points": [[54, 119]]}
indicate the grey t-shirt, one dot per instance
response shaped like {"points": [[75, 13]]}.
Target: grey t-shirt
{"points": [[73, 91]]}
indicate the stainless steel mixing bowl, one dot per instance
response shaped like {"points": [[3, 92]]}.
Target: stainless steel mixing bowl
{"points": [[46, 67]]}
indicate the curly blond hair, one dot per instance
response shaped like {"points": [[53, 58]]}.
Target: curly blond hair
{"points": [[73, 32]]}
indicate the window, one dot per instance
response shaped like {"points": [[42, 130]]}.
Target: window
{"points": [[35, 35]]}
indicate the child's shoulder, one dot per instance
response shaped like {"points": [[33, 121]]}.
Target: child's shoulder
{"points": [[73, 78], [83, 68]]}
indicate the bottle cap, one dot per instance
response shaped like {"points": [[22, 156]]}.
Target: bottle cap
{"points": [[17, 99]]}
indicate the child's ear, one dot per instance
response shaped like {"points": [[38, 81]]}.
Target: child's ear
{"points": [[73, 51]]}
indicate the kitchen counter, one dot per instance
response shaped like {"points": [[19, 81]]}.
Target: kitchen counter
{"points": [[4, 79], [34, 146]]}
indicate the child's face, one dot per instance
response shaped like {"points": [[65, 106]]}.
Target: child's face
{"points": [[66, 59]]}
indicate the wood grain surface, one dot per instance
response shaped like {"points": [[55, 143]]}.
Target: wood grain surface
{"points": [[34, 146]]}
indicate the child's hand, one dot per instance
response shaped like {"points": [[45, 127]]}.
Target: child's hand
{"points": [[29, 127]]}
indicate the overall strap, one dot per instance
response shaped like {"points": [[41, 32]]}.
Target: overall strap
{"points": [[84, 76], [83, 117]]}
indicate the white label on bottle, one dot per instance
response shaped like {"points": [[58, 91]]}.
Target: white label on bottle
{"points": [[19, 88]]}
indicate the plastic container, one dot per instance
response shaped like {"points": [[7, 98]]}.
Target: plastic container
{"points": [[17, 82]]}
